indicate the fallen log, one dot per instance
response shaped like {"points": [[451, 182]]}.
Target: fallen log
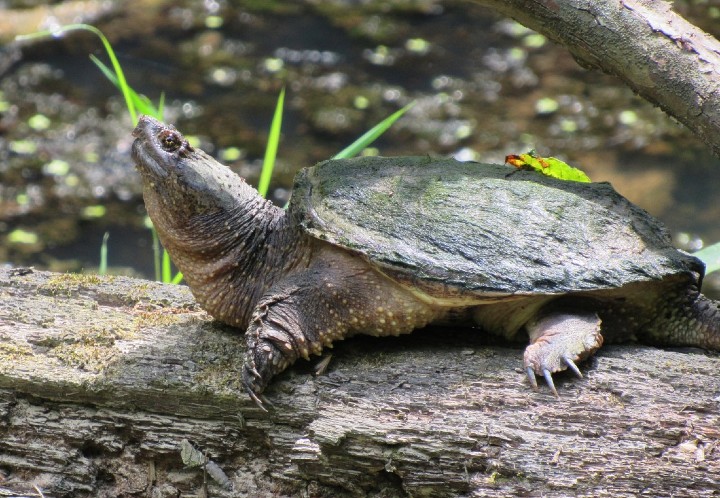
{"points": [[104, 380]]}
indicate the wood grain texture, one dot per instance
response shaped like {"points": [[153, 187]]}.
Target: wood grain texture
{"points": [[102, 378]]}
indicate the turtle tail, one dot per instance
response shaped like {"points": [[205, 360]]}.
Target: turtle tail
{"points": [[687, 319], [706, 322]]}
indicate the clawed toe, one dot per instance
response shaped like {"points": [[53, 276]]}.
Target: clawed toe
{"points": [[549, 381], [257, 372], [531, 377], [259, 400], [572, 366], [253, 386], [253, 371], [558, 341], [547, 375], [263, 360]]}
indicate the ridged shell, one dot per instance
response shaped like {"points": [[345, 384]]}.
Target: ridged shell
{"points": [[458, 228]]}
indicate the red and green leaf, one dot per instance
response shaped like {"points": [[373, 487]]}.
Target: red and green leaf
{"points": [[549, 166]]}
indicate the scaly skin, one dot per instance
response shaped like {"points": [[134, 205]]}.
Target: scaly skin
{"points": [[686, 318], [250, 266], [336, 296], [230, 248]]}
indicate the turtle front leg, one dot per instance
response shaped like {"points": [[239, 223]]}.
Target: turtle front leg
{"points": [[558, 341], [289, 322], [338, 297]]}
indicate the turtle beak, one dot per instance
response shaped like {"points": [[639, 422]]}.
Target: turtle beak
{"points": [[146, 127], [145, 147]]}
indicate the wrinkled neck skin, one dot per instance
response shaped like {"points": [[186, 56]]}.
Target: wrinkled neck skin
{"points": [[230, 253]]}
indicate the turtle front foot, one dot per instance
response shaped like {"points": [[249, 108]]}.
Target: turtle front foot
{"points": [[557, 342], [254, 382], [263, 360]]}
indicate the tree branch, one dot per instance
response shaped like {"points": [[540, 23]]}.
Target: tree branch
{"points": [[665, 59]]}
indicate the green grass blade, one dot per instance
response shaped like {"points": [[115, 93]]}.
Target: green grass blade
{"points": [[156, 255], [161, 259], [142, 104], [166, 268], [102, 269], [710, 256], [177, 278], [105, 70], [272, 146], [124, 88], [161, 106], [372, 134]]}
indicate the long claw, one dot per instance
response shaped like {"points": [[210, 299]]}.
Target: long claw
{"points": [[260, 400], [322, 365], [265, 402], [549, 381], [255, 373], [531, 376], [572, 366], [254, 388], [256, 399]]}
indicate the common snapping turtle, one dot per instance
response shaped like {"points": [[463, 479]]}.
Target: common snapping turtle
{"points": [[382, 246]]}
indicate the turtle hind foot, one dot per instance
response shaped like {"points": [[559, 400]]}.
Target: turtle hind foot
{"points": [[558, 341]]}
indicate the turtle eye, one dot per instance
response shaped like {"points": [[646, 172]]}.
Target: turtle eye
{"points": [[170, 140]]}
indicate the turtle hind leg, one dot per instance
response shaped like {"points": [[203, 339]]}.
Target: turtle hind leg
{"points": [[558, 341]]}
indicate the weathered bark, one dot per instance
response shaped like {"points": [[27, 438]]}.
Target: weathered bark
{"points": [[657, 53], [101, 379]]}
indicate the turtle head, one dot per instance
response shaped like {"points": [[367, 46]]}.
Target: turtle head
{"points": [[180, 181], [159, 148], [227, 240]]}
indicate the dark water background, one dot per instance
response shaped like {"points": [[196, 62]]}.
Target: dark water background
{"points": [[484, 85]]}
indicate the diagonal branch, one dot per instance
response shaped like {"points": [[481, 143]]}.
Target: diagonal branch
{"points": [[661, 56]]}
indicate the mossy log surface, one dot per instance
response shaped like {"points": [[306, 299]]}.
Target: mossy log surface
{"points": [[101, 379]]}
